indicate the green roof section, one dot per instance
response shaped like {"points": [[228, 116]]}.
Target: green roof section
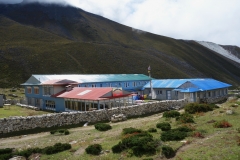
{"points": [[87, 78]]}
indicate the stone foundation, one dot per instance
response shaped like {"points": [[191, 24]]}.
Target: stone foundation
{"points": [[68, 118]]}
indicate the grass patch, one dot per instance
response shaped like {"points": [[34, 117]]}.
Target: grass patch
{"points": [[14, 110]]}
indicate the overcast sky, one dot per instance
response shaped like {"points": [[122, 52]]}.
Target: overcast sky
{"points": [[215, 21]]}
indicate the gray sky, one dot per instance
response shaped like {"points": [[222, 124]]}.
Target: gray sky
{"points": [[215, 21]]}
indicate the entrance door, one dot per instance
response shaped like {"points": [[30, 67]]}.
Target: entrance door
{"points": [[169, 95], [41, 103], [192, 97]]}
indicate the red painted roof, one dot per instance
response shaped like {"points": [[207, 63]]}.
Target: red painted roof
{"points": [[88, 93]]}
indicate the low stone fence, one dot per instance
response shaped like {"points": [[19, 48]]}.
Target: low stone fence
{"points": [[68, 118], [214, 100]]}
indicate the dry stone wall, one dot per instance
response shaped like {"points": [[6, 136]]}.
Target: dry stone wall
{"points": [[68, 118], [214, 99]]}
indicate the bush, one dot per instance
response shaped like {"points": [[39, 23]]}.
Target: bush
{"points": [[6, 150], [118, 148], [131, 130], [94, 149], [66, 132], [5, 156], [175, 134], [168, 152], [137, 143], [222, 124], [185, 118], [152, 130], [171, 114], [102, 126], [53, 132], [196, 107], [62, 131], [28, 152], [58, 147], [164, 126]]}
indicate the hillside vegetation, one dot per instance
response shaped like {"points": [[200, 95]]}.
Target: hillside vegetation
{"points": [[52, 39]]}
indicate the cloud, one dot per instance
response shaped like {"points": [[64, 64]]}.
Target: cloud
{"points": [[10, 1], [203, 20]]}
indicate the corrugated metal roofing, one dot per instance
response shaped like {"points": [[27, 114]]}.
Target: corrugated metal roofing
{"points": [[166, 83], [86, 93], [89, 93], [59, 82], [89, 78], [202, 84], [209, 84]]}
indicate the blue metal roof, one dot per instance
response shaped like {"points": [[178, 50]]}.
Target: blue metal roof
{"points": [[201, 84], [87, 78], [166, 83], [209, 84]]}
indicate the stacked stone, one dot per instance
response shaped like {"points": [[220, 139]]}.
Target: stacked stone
{"points": [[68, 118]]}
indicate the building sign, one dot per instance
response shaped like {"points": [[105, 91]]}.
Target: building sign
{"points": [[117, 92]]}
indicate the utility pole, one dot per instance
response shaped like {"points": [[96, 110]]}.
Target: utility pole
{"points": [[149, 73]]}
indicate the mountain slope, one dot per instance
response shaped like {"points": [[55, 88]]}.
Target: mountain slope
{"points": [[53, 39]]}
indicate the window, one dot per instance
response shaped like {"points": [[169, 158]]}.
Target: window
{"points": [[159, 91], [36, 90], [101, 85], [176, 93], [29, 90], [50, 104], [119, 84], [47, 90], [134, 84], [209, 94]]}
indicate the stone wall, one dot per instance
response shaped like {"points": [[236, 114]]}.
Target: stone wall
{"points": [[213, 99], [68, 118]]}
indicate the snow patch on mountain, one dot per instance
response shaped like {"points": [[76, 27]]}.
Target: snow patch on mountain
{"points": [[217, 48]]}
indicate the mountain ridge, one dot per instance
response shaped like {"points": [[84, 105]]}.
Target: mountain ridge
{"points": [[53, 39]]}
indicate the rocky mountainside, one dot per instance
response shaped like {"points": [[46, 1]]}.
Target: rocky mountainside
{"points": [[54, 39]]}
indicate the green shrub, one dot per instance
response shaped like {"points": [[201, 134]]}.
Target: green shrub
{"points": [[66, 132], [196, 107], [168, 152], [62, 131], [164, 126], [184, 129], [94, 149], [26, 153], [6, 150], [173, 135], [176, 134], [152, 130], [53, 132], [58, 147], [222, 124], [138, 143], [131, 130], [118, 148], [102, 126], [185, 118], [171, 114], [5, 156]]}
